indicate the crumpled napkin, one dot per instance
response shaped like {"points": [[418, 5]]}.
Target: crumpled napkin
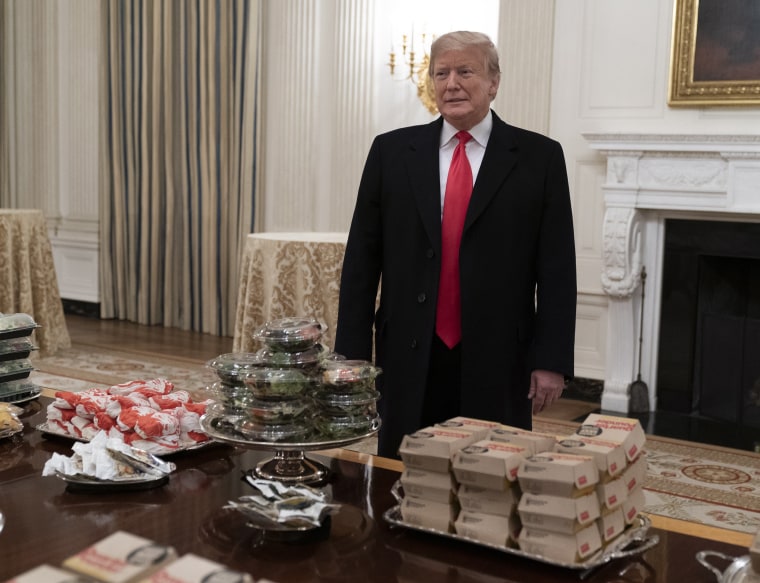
{"points": [[297, 506], [107, 458]]}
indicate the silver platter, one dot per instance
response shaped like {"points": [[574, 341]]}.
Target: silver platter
{"points": [[289, 464], [90, 484], [208, 424], [634, 536]]}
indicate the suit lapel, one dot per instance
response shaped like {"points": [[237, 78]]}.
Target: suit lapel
{"points": [[422, 166], [498, 161]]}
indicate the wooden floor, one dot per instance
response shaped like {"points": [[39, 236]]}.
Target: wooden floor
{"points": [[196, 347], [136, 338]]}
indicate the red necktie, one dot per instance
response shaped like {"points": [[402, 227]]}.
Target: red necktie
{"points": [[448, 320]]}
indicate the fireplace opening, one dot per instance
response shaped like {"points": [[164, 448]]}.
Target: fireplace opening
{"points": [[709, 349]]}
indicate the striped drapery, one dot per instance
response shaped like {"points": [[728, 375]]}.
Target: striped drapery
{"points": [[179, 115]]}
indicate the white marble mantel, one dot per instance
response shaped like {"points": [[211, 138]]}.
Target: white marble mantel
{"points": [[652, 177]]}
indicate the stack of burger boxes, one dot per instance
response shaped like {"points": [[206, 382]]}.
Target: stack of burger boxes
{"points": [[563, 498], [559, 507], [630, 435], [608, 472], [429, 486], [488, 491]]}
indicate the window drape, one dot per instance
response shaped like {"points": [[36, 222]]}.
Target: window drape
{"points": [[179, 146]]}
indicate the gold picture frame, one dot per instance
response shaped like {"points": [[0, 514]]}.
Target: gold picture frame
{"points": [[715, 57]]}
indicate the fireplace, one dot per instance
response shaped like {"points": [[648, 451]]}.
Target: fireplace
{"points": [[709, 338], [655, 186]]}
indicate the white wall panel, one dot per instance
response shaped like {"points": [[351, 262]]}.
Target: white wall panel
{"points": [[590, 336], [622, 58]]}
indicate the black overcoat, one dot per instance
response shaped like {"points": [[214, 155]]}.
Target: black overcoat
{"points": [[517, 267]]}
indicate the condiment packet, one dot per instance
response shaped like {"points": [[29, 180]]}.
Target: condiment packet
{"points": [[290, 505]]}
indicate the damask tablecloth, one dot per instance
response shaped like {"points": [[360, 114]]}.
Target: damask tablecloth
{"points": [[28, 281], [288, 274]]}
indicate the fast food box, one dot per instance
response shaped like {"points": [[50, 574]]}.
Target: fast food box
{"points": [[121, 558], [623, 430], [483, 500], [431, 448], [47, 574], [611, 524], [609, 455], [611, 494], [558, 474], [633, 505], [635, 474], [566, 548], [558, 514], [194, 569], [421, 512], [488, 528], [533, 441], [488, 464], [479, 427], [433, 486]]}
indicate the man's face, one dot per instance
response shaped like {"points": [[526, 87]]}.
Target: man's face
{"points": [[463, 87]]}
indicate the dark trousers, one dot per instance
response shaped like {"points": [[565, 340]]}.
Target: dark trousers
{"points": [[443, 384]]}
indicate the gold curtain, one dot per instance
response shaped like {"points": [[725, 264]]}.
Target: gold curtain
{"points": [[179, 115]]}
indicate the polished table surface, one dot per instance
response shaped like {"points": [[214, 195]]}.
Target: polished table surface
{"points": [[288, 274], [27, 273], [46, 522]]}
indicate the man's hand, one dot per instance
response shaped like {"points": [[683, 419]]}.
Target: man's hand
{"points": [[545, 388]]}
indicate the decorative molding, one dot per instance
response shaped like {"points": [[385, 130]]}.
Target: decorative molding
{"points": [[621, 255]]}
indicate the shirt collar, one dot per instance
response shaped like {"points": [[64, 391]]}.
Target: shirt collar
{"points": [[480, 132]]}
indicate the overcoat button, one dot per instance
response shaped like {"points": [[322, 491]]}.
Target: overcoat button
{"points": [[421, 298], [430, 253], [414, 344]]}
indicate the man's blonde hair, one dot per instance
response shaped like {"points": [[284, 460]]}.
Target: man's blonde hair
{"points": [[463, 39]]}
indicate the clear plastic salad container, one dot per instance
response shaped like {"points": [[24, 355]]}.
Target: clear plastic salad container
{"points": [[349, 376], [341, 404], [232, 367], [16, 325], [15, 348], [291, 334], [308, 359], [335, 427], [278, 383]]}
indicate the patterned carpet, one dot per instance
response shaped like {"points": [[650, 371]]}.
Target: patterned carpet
{"points": [[693, 482]]}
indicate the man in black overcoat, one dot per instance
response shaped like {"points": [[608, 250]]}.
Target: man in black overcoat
{"points": [[517, 274]]}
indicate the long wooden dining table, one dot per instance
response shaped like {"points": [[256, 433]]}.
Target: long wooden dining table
{"points": [[47, 521]]}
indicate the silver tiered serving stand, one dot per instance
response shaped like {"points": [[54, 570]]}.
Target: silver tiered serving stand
{"points": [[288, 464]]}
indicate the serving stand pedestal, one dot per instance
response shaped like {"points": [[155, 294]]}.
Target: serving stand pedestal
{"points": [[289, 463]]}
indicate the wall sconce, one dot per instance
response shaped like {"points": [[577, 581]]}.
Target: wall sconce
{"points": [[414, 67]]}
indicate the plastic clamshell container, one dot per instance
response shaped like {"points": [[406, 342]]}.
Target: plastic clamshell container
{"points": [[232, 367], [16, 325], [268, 411], [306, 359], [345, 426], [278, 383], [14, 391], [12, 370], [234, 399], [348, 376], [362, 403], [15, 348], [291, 334]]}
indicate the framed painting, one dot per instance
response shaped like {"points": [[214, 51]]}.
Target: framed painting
{"points": [[715, 58]]}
